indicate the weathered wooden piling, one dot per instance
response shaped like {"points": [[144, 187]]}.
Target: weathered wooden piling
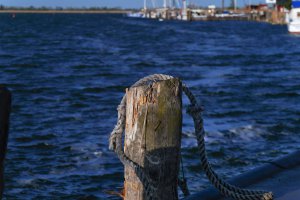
{"points": [[153, 138], [5, 104]]}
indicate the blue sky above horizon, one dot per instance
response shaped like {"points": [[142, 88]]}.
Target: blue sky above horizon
{"points": [[110, 3]]}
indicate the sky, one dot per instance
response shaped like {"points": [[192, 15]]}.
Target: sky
{"points": [[110, 3]]}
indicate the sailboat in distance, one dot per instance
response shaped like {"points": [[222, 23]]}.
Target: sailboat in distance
{"points": [[156, 8]]}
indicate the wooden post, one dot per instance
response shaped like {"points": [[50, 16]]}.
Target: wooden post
{"points": [[5, 103], [153, 137]]}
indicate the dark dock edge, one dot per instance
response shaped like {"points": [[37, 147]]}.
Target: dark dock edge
{"points": [[5, 106], [253, 176]]}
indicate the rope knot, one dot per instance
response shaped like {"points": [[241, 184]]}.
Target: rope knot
{"points": [[193, 109]]}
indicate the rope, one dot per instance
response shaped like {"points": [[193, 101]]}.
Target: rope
{"points": [[182, 183], [226, 189]]}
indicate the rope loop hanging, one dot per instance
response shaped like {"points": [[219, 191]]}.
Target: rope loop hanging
{"points": [[194, 110]]}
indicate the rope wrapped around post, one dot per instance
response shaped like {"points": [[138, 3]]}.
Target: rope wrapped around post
{"points": [[194, 110]]}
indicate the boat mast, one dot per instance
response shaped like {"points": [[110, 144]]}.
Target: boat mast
{"points": [[235, 2], [184, 5], [222, 5], [145, 4]]}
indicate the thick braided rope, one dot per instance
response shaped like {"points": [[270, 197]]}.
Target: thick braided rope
{"points": [[226, 189], [195, 111]]}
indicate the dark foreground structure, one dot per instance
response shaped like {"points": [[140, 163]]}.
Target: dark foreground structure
{"points": [[5, 104], [282, 176]]}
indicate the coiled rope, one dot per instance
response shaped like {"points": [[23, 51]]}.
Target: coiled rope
{"points": [[194, 110]]}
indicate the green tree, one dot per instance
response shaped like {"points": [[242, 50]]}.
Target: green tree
{"points": [[286, 3]]}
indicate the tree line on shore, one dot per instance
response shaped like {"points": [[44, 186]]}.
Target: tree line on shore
{"points": [[284, 3], [44, 8]]}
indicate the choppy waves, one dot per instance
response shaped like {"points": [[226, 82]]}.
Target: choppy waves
{"points": [[69, 72]]}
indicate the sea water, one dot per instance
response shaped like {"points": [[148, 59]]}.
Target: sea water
{"points": [[68, 72]]}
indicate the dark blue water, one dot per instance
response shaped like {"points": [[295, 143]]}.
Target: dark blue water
{"points": [[69, 72]]}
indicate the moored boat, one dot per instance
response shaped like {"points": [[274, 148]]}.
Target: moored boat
{"points": [[136, 15], [294, 18]]}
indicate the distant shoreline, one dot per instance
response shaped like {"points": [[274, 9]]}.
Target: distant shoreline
{"points": [[67, 11]]}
